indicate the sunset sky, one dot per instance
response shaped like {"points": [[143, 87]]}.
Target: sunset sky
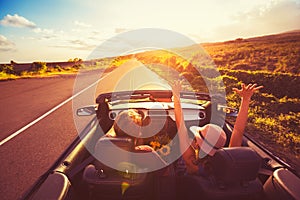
{"points": [[56, 30]]}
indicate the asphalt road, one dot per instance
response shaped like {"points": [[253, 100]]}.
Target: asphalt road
{"points": [[25, 157]]}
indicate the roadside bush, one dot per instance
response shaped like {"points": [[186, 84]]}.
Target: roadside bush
{"points": [[57, 68], [272, 82], [6, 76], [77, 66], [8, 69], [39, 67]]}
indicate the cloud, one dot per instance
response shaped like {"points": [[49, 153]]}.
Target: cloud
{"points": [[120, 30], [6, 45], [73, 39], [76, 44], [79, 42], [276, 17], [47, 33], [81, 24], [16, 21]]}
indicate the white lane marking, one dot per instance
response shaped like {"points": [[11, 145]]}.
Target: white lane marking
{"points": [[45, 115]]}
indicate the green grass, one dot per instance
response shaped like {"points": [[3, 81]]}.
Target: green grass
{"points": [[41, 70], [6, 76]]}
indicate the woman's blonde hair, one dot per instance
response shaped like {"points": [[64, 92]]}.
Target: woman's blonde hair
{"points": [[128, 123]]}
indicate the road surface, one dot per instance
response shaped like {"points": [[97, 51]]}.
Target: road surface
{"points": [[25, 157], [37, 122]]}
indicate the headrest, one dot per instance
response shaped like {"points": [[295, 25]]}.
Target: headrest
{"points": [[112, 152], [236, 164], [117, 152]]}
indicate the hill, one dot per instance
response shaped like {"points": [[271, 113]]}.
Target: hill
{"points": [[274, 53]]}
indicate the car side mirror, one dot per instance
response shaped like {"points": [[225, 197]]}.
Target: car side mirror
{"points": [[230, 112], [86, 111]]}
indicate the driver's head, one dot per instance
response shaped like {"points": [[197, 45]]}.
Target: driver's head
{"points": [[209, 138], [128, 123]]}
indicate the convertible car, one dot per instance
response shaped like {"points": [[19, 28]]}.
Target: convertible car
{"points": [[96, 166]]}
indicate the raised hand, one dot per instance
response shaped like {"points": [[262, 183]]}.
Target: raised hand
{"points": [[246, 92], [176, 88]]}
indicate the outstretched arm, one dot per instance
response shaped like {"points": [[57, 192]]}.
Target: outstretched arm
{"points": [[188, 154], [245, 93], [182, 130]]}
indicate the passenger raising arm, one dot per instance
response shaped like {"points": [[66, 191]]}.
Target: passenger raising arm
{"points": [[245, 93], [184, 141], [188, 154], [194, 152]]}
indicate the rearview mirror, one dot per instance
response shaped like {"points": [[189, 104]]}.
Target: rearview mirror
{"points": [[86, 111]]}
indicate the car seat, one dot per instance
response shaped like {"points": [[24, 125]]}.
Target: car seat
{"points": [[231, 174]]}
